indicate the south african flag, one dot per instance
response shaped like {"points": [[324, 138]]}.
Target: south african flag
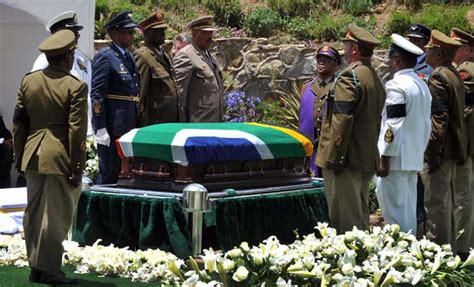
{"points": [[199, 143]]}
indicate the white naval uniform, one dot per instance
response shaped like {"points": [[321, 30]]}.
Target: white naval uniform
{"points": [[404, 134], [82, 70]]}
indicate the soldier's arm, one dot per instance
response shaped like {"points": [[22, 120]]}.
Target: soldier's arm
{"points": [[78, 128], [395, 105], [439, 118], [144, 70], [345, 103], [183, 67], [21, 125], [99, 89]]}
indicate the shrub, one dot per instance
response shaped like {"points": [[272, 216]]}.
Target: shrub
{"points": [[398, 22], [241, 107], [226, 12], [302, 28], [445, 17], [355, 7], [262, 22], [294, 8]]}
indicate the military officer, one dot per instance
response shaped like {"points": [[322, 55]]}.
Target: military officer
{"points": [[420, 35], [347, 149], [50, 125], [82, 65], [200, 84], [314, 93], [447, 144], [406, 127], [114, 94], [464, 58], [158, 87]]}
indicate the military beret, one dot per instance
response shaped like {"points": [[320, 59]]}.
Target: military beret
{"points": [[122, 20], [155, 21], [361, 36], [403, 45], [418, 31], [58, 43], [203, 23], [66, 20], [330, 52], [461, 36], [440, 40]]}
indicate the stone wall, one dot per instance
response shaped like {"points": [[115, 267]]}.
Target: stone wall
{"points": [[258, 67]]}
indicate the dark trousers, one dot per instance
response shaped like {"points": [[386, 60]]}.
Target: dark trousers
{"points": [[109, 163], [6, 160]]}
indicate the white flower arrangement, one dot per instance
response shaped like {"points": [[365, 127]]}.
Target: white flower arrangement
{"points": [[381, 257]]}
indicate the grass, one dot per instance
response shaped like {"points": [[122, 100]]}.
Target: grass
{"points": [[18, 277]]}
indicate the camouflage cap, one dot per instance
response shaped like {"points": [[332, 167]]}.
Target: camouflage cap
{"points": [[361, 36], [58, 43], [204, 23], [461, 36], [155, 21], [440, 40]]}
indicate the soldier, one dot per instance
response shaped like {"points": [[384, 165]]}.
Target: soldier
{"points": [[180, 41], [347, 149], [447, 144], [81, 68], [50, 125], [201, 88], [420, 35], [314, 93], [158, 88], [464, 58], [114, 94], [406, 127]]}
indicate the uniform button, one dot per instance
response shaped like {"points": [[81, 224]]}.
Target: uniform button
{"points": [[319, 109], [134, 74]]}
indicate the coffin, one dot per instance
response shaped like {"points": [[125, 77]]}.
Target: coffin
{"points": [[167, 157]]}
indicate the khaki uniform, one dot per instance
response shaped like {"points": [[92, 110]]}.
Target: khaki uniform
{"points": [[446, 147], [465, 174], [320, 90], [201, 88], [50, 126], [349, 137], [158, 87]]}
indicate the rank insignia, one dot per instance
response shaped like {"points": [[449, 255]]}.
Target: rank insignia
{"points": [[388, 136], [97, 108], [464, 75], [338, 140], [83, 146]]}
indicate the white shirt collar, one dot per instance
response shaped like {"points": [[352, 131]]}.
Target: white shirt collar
{"points": [[404, 71]]}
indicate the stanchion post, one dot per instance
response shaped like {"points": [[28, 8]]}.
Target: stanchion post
{"points": [[195, 201]]}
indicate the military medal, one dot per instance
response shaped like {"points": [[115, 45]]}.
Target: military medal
{"points": [[388, 136], [338, 140], [97, 108]]}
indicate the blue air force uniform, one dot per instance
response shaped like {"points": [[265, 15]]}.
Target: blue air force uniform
{"points": [[114, 97]]}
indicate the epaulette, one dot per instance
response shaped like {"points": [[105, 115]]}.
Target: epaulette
{"points": [[32, 72], [76, 78]]}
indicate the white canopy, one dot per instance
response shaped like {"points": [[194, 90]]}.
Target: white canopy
{"points": [[22, 28]]}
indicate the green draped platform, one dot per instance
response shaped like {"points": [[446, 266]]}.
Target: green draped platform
{"points": [[154, 222]]}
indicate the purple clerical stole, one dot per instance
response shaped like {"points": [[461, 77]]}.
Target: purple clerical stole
{"points": [[306, 125]]}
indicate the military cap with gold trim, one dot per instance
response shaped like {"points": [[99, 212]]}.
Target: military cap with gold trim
{"points": [[204, 23], [361, 36], [155, 21], [440, 40], [461, 36], [58, 43]]}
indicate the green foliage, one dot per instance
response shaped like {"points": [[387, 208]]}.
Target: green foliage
{"points": [[270, 111], [293, 8], [226, 12], [302, 28], [444, 17], [355, 7], [291, 105], [108, 7], [398, 22], [262, 22]]}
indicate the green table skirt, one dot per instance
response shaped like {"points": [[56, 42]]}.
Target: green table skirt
{"points": [[146, 222]]}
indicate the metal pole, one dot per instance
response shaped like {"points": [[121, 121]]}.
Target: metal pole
{"points": [[197, 233]]}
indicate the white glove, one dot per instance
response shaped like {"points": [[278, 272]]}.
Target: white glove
{"points": [[103, 137]]}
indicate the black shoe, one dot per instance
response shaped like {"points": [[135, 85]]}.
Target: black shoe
{"points": [[34, 275], [56, 279]]}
